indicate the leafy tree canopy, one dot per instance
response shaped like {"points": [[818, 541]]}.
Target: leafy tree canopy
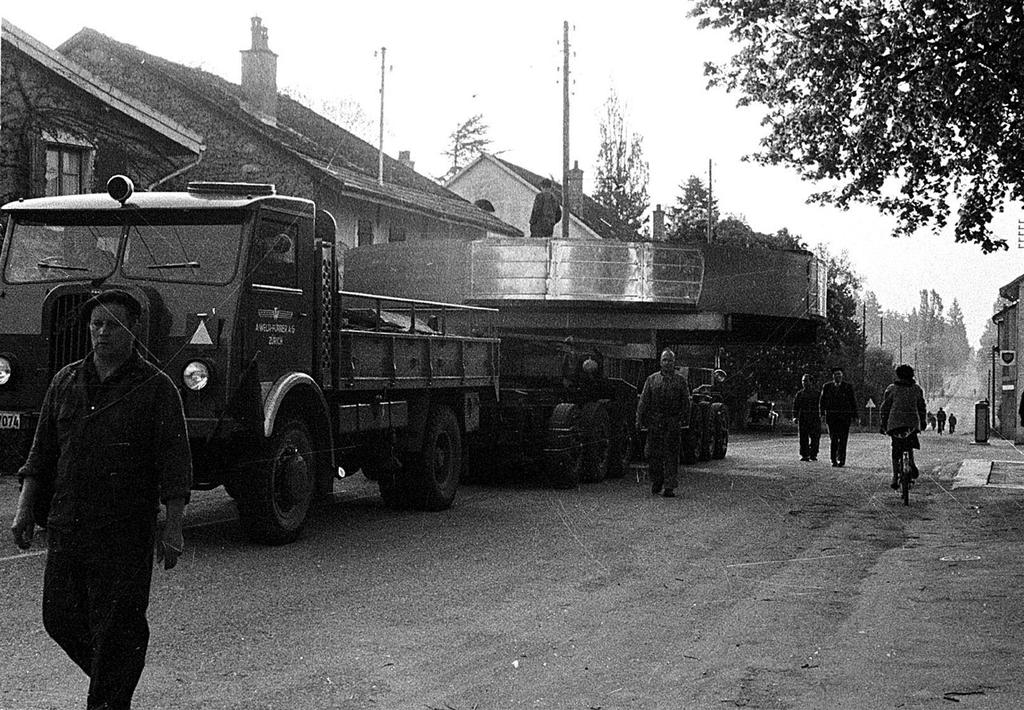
{"points": [[620, 181], [913, 106], [466, 142]]}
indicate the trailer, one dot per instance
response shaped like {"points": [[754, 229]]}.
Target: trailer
{"points": [[287, 381]]}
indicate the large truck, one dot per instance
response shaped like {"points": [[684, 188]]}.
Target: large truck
{"points": [[286, 380]]}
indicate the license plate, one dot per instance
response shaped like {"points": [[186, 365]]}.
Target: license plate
{"points": [[10, 420]]}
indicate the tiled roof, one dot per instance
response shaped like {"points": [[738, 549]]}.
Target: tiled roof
{"points": [[315, 140], [598, 218]]}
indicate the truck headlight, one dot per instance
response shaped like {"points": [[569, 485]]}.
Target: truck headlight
{"points": [[196, 375], [6, 369]]}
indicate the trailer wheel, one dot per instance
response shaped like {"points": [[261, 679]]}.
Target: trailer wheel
{"points": [[273, 507], [562, 451], [595, 429], [622, 448], [431, 478]]}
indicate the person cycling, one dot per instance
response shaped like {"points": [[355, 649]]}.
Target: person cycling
{"points": [[902, 417]]}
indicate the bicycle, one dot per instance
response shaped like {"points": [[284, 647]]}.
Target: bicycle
{"points": [[906, 470]]}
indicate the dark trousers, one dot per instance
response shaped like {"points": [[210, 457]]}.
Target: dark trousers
{"points": [[810, 439], [663, 446], [838, 434], [94, 606]]}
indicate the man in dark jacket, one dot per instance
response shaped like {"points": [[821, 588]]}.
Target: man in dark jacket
{"points": [[940, 419], [839, 406], [808, 419], [546, 212], [903, 414], [110, 446], [664, 409]]}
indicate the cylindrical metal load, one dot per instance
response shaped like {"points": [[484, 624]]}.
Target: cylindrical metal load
{"points": [[981, 421]]}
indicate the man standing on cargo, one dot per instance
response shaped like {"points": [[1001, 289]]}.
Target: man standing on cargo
{"points": [[546, 212], [110, 446], [664, 409]]}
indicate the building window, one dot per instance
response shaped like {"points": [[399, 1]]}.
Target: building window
{"points": [[65, 171], [364, 232], [396, 234]]}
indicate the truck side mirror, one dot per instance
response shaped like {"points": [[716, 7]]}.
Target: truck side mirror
{"points": [[326, 229]]}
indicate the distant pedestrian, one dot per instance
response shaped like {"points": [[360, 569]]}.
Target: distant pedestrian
{"points": [[952, 423], [808, 419], [546, 212], [930, 421], [839, 406], [940, 419], [664, 408]]}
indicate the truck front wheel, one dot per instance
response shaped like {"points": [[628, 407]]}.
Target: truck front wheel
{"points": [[273, 506]]}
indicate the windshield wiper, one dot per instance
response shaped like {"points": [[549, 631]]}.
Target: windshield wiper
{"points": [[64, 267], [175, 265]]}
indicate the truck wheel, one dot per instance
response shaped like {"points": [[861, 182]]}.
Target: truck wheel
{"points": [[432, 477], [721, 441], [273, 508], [563, 452], [595, 430], [622, 449]]}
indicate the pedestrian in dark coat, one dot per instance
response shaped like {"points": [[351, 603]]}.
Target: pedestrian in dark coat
{"points": [[110, 446], [952, 423], [940, 419], [839, 407], [903, 411], [808, 419], [664, 408], [546, 211]]}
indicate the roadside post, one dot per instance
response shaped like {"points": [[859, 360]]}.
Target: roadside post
{"points": [[981, 422]]}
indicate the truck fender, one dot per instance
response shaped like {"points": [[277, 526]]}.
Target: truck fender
{"points": [[276, 394]]}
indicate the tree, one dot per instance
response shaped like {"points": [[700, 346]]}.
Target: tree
{"points": [[467, 142], [345, 112], [689, 216], [621, 174], [913, 106]]}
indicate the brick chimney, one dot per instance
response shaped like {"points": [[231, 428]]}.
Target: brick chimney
{"points": [[658, 224], [259, 75], [405, 158], [574, 187]]}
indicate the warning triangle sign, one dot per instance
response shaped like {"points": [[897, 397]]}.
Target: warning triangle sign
{"points": [[201, 336]]}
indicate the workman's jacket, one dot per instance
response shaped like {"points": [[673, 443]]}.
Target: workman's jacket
{"points": [[805, 408], [105, 454], [838, 400], [903, 407], [545, 214], [664, 403]]}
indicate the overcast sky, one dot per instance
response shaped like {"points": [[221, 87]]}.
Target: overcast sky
{"points": [[449, 60]]}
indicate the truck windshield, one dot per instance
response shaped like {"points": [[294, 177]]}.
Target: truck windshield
{"points": [[186, 247]]}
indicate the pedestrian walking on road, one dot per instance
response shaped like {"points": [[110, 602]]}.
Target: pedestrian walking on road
{"points": [[903, 410], [664, 409], [839, 407], [940, 419], [110, 446], [808, 419], [952, 423]]}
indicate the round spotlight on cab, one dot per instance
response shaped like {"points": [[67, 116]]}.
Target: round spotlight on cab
{"points": [[196, 375], [120, 188], [6, 370]]}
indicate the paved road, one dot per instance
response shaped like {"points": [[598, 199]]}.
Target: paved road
{"points": [[769, 583]]}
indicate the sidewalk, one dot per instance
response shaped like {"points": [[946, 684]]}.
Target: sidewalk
{"points": [[998, 464]]}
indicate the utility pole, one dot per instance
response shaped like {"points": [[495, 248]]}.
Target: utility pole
{"points": [[380, 152], [710, 200], [565, 129]]}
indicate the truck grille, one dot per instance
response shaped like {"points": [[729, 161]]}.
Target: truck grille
{"points": [[69, 333]]}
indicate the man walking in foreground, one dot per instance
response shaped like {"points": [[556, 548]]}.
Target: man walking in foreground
{"points": [[839, 406], [664, 408], [110, 446], [808, 419]]}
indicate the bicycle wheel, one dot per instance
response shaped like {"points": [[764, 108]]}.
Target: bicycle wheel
{"points": [[905, 477]]}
